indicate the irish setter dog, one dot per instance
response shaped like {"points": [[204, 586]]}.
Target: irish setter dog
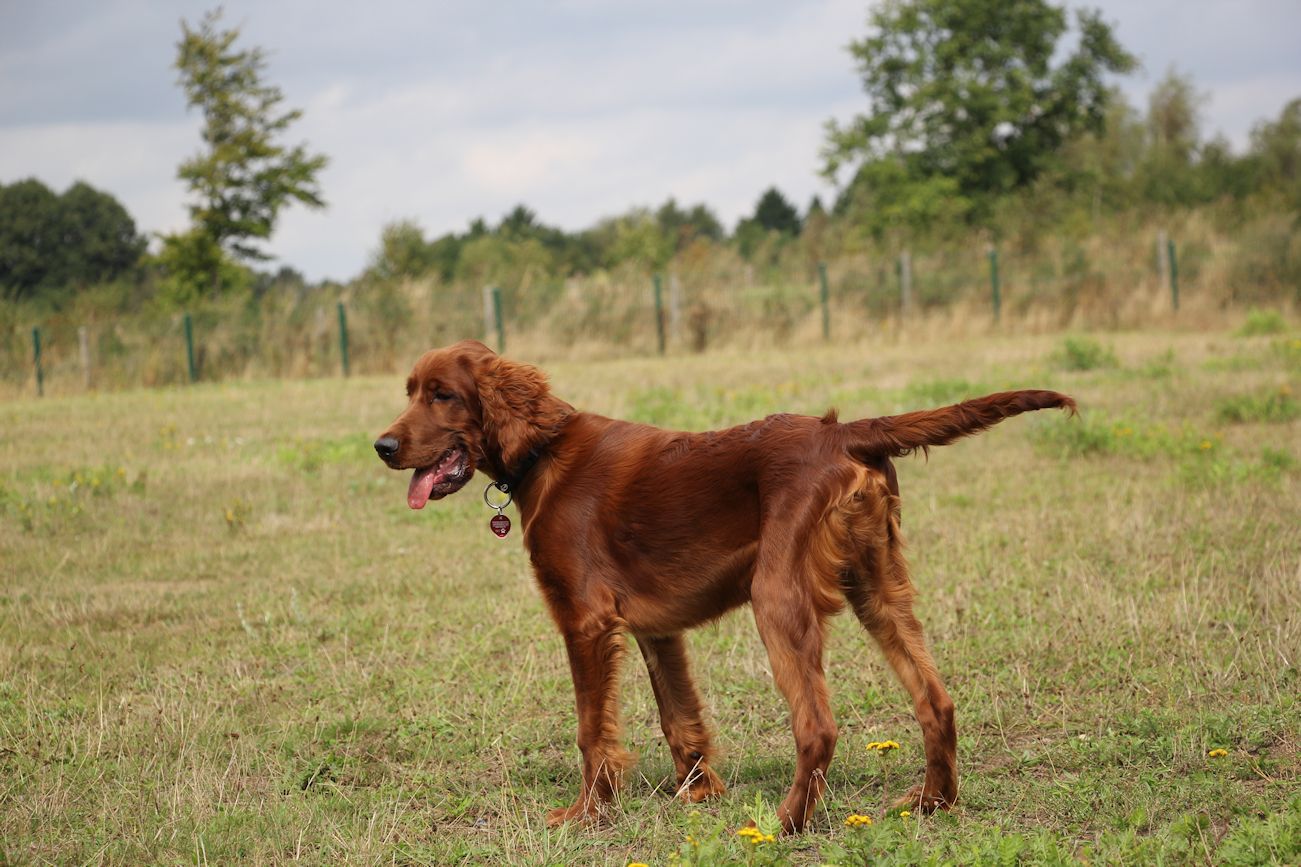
{"points": [[633, 529]]}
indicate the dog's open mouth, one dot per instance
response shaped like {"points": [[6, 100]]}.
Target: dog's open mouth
{"points": [[436, 481]]}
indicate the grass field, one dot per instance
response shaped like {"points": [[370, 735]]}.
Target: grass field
{"points": [[225, 639]]}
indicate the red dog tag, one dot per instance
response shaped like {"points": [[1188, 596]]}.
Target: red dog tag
{"points": [[500, 525]]}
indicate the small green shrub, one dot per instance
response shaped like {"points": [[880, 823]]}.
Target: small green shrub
{"points": [[1084, 353], [1260, 322], [1272, 405]]}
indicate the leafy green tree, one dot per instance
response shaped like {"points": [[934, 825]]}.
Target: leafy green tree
{"points": [[965, 100], [521, 222], [49, 242], [1276, 153], [99, 237], [1174, 142], [683, 226], [774, 219], [402, 252], [29, 219], [245, 175], [190, 263], [636, 237], [775, 213]]}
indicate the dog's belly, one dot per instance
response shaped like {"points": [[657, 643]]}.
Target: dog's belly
{"points": [[665, 596]]}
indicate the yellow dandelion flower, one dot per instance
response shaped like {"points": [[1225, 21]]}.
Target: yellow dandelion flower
{"points": [[1206, 444], [1218, 753], [769, 838], [638, 864], [858, 821], [883, 746], [904, 814]]}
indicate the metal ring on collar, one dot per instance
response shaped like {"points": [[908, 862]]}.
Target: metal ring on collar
{"points": [[500, 486]]}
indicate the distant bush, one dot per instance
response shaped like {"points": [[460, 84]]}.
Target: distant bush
{"points": [[1083, 353], [1262, 322]]}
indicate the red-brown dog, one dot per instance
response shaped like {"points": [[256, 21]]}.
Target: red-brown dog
{"points": [[633, 529]]}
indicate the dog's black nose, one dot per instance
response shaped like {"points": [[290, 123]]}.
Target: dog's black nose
{"points": [[386, 447]]}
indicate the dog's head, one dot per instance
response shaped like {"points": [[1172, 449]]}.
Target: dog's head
{"points": [[468, 409]]}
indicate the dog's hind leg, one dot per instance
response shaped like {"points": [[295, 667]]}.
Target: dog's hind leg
{"points": [[681, 716], [790, 625], [881, 593]]}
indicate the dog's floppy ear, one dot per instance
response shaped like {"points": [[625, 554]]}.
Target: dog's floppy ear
{"points": [[520, 414]]}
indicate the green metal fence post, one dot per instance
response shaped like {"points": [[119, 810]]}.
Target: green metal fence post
{"points": [[343, 338], [189, 348], [994, 286], [36, 358], [826, 301], [1174, 274], [496, 316], [658, 284]]}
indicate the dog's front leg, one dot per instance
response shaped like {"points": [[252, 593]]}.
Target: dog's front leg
{"points": [[596, 645]]}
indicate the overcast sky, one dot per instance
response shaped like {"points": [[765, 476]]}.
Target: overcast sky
{"points": [[443, 112]]}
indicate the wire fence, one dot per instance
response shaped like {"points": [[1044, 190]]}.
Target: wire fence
{"points": [[312, 333]]}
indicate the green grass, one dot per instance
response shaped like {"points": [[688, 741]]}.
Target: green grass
{"points": [[225, 639], [1260, 322], [1267, 405], [1084, 353]]}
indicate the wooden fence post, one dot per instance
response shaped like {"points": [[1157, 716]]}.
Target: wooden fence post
{"points": [[1174, 274]]}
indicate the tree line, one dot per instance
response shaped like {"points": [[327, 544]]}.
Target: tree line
{"points": [[978, 120]]}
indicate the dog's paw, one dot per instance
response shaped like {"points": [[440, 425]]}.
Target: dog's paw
{"points": [[924, 800], [582, 812], [702, 785]]}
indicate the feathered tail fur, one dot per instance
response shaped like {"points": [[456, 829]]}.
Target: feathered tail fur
{"points": [[899, 435]]}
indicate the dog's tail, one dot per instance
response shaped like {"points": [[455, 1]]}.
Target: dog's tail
{"points": [[899, 435]]}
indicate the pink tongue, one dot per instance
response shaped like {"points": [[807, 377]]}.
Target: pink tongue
{"points": [[422, 484]]}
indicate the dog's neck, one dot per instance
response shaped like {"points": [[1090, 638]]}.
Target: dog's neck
{"points": [[516, 473], [512, 478]]}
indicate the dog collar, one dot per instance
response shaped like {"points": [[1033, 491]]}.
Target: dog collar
{"points": [[511, 481]]}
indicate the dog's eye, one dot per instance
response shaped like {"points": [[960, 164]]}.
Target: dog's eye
{"points": [[439, 394]]}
